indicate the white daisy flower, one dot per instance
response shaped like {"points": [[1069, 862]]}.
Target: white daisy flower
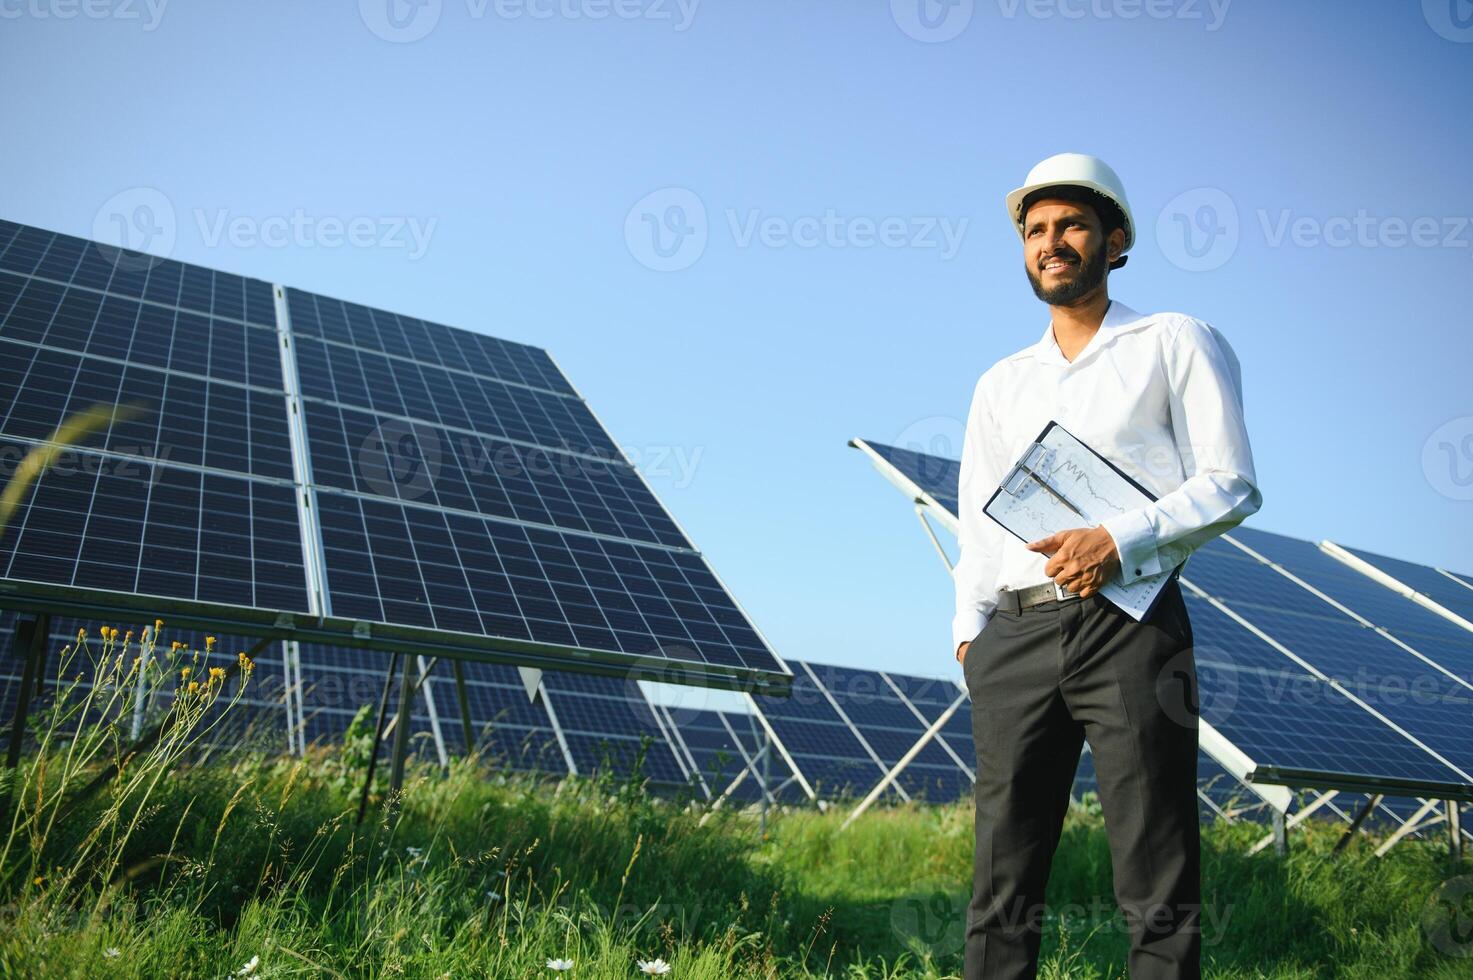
{"points": [[112, 953], [654, 967], [559, 965], [249, 968]]}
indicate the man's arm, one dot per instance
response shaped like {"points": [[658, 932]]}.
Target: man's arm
{"points": [[1220, 489], [975, 574]]}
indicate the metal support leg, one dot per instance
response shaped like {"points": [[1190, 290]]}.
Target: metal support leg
{"points": [[467, 729], [1454, 831], [401, 732], [378, 735], [1360, 818], [29, 635], [1281, 834], [766, 778]]}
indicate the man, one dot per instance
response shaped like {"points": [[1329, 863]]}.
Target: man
{"points": [[1049, 661]]}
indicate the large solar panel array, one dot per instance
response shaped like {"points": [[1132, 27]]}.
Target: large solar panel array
{"points": [[720, 746], [607, 723], [388, 481], [1305, 691]]}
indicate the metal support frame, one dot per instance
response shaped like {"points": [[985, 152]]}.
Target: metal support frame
{"points": [[433, 710], [1454, 831], [1282, 824], [899, 766], [1411, 825], [468, 730], [407, 684], [29, 640], [921, 509], [1365, 811]]}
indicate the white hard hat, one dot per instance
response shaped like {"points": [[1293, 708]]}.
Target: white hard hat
{"points": [[1078, 170]]}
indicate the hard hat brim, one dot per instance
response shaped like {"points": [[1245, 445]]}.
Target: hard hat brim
{"points": [[1015, 203]]}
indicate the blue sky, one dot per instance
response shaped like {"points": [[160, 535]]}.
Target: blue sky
{"points": [[820, 154]]}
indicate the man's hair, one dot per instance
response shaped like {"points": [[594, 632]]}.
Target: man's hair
{"points": [[1111, 217]]}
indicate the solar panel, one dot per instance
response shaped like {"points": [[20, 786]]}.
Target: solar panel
{"points": [[605, 722], [719, 747], [1281, 710], [387, 481], [935, 476], [1448, 590]]}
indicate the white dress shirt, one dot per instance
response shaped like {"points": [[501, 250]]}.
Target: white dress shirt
{"points": [[1158, 395]]}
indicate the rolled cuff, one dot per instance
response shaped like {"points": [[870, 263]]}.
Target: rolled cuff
{"points": [[1136, 544]]}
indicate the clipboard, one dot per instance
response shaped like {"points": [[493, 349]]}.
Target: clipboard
{"points": [[1060, 482]]}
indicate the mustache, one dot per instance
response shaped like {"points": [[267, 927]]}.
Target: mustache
{"points": [[1063, 253]]}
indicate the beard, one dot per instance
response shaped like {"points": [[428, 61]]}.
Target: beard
{"points": [[1091, 274]]}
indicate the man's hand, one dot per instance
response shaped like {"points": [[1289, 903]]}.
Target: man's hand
{"points": [[961, 653], [1082, 559]]}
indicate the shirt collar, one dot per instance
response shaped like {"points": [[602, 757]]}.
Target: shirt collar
{"points": [[1118, 318]]}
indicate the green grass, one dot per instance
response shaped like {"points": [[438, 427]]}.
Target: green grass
{"points": [[193, 870]]}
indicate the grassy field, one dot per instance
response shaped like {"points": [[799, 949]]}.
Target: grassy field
{"points": [[244, 862]]}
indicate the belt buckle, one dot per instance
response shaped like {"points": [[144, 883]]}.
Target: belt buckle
{"points": [[1061, 593]]}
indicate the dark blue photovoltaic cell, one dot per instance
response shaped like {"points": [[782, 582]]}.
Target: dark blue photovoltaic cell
{"points": [[936, 475], [605, 720], [431, 343], [417, 462], [1432, 635], [63, 259], [714, 742], [131, 527], [1450, 591], [195, 354], [1330, 733], [387, 562]]}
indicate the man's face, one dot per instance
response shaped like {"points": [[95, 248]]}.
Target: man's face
{"points": [[1065, 252]]}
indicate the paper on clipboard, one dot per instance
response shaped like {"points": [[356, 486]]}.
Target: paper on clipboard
{"points": [[1060, 483]]}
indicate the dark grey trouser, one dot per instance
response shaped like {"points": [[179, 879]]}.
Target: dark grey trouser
{"points": [[1041, 682]]}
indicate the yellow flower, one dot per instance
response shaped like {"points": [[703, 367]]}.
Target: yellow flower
{"points": [[193, 687], [81, 635], [184, 674], [209, 643], [38, 879], [217, 674], [128, 636], [246, 664]]}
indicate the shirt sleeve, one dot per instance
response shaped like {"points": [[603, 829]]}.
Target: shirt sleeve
{"points": [[1220, 489], [979, 536]]}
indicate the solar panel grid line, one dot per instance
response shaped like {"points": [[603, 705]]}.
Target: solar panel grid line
{"points": [[776, 744], [854, 729], [1464, 682], [1327, 679], [752, 758], [462, 353], [1465, 583], [666, 732], [683, 752], [1389, 579], [961, 695]]}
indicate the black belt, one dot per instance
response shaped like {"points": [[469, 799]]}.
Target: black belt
{"points": [[1015, 601]]}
